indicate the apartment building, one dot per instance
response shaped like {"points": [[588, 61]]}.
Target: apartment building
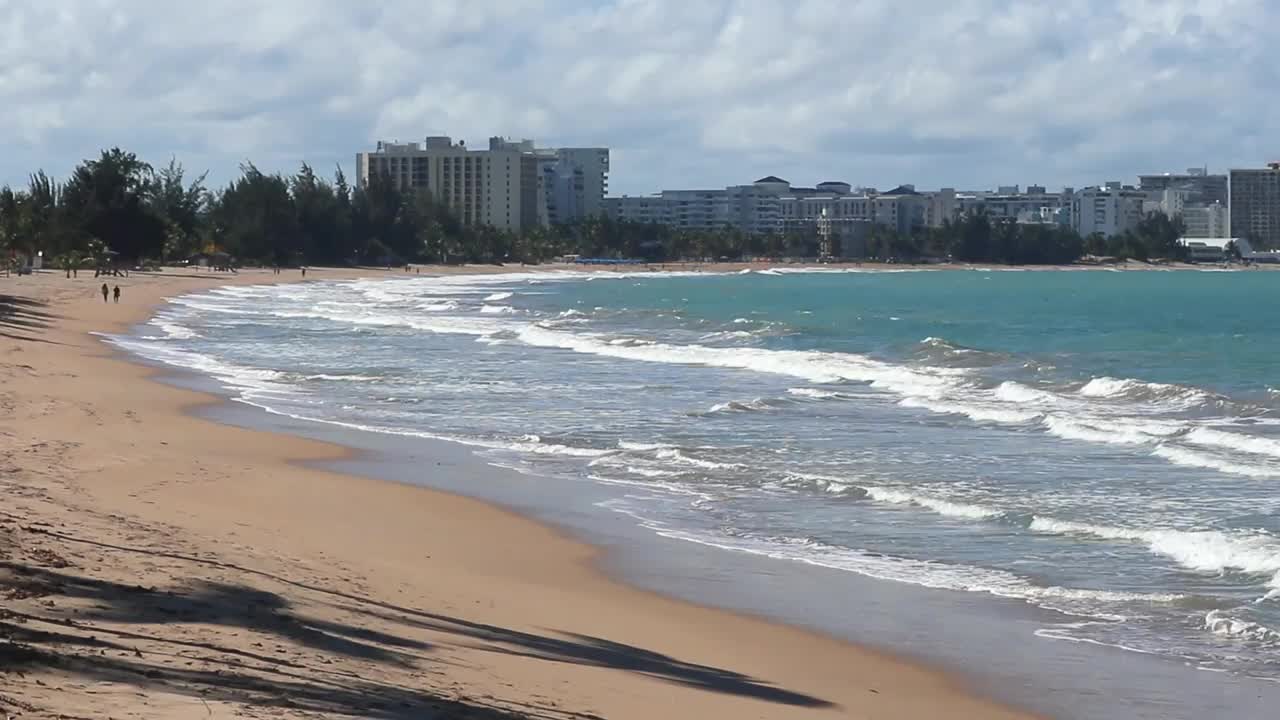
{"points": [[572, 183], [496, 187], [1255, 205], [1201, 187], [511, 185], [1003, 204], [1211, 220], [1108, 210], [771, 204]]}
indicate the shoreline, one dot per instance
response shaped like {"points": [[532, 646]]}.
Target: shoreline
{"points": [[567, 641]]}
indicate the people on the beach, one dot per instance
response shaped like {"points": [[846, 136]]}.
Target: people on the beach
{"points": [[116, 293], [105, 290], [304, 271]]}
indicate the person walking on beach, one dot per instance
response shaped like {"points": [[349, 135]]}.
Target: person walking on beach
{"points": [[116, 293], [104, 292]]}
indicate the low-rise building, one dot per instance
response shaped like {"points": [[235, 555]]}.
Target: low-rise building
{"points": [[772, 204], [1214, 249]]}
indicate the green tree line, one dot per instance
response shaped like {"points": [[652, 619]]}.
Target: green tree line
{"points": [[117, 206]]}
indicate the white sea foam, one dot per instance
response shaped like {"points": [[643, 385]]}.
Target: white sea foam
{"points": [[1204, 550], [1107, 387], [173, 330], [437, 306], [1174, 397], [498, 296], [756, 405], [1219, 623], [825, 483], [923, 573], [814, 393], [535, 444], [1192, 458], [726, 335], [1235, 441], [497, 309], [642, 447], [1111, 432], [650, 472], [938, 505], [974, 411], [249, 380], [1014, 392], [819, 367], [676, 456], [203, 303], [408, 319]]}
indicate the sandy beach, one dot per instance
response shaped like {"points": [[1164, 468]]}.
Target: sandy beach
{"points": [[157, 565]]}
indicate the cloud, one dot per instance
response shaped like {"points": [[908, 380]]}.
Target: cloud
{"points": [[967, 93]]}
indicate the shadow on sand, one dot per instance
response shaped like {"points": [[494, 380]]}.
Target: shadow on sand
{"points": [[23, 318], [234, 674]]}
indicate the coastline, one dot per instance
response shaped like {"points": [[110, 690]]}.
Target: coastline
{"points": [[280, 585]]}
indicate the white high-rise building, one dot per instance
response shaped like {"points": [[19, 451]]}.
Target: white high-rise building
{"points": [[496, 187], [1107, 210], [572, 183]]}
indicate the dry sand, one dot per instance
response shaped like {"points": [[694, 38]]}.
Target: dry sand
{"points": [[156, 565]]}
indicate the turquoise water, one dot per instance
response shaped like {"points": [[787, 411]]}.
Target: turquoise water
{"points": [[1102, 445]]}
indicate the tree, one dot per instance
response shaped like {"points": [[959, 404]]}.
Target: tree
{"points": [[255, 217], [181, 207], [105, 198], [1161, 236]]}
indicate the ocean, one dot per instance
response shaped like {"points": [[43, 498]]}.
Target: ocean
{"points": [[1102, 446]]}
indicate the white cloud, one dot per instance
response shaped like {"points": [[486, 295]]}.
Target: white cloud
{"points": [[966, 92]]}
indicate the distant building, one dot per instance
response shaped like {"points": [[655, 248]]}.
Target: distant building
{"points": [[1255, 205], [1210, 249], [771, 204], [496, 187], [1206, 221], [1047, 216], [1107, 210], [512, 185], [1170, 201], [572, 183], [940, 206], [1201, 186], [1001, 205]]}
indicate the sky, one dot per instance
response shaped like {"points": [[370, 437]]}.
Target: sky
{"points": [[957, 93]]}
